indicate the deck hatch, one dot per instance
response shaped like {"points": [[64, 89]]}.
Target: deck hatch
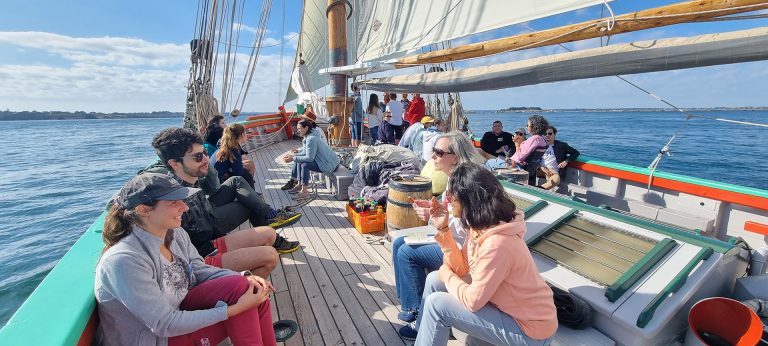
{"points": [[607, 255]]}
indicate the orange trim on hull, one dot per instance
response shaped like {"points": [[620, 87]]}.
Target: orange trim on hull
{"points": [[696, 190], [756, 227], [86, 339]]}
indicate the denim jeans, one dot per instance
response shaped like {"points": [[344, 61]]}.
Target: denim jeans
{"points": [[374, 134], [411, 263], [300, 171], [440, 311]]}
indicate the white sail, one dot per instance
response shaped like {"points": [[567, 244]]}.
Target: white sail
{"points": [[383, 29], [629, 58], [391, 27], [313, 43]]}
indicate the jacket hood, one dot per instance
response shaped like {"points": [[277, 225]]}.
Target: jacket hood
{"points": [[514, 228]]}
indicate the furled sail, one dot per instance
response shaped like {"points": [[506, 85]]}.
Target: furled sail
{"points": [[629, 58]]}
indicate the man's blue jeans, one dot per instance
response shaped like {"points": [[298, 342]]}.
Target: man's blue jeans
{"points": [[411, 265], [441, 310]]}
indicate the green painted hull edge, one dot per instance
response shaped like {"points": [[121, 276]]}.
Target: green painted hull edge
{"points": [[689, 237], [57, 312], [677, 177]]}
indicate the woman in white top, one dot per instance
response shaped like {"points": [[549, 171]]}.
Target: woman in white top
{"points": [[374, 115]]}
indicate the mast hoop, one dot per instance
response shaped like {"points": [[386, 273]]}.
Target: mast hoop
{"points": [[336, 3]]}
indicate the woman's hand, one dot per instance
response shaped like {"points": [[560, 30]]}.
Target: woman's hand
{"points": [[258, 280], [287, 158], [422, 207], [445, 272], [248, 164], [294, 150], [253, 296], [438, 214]]}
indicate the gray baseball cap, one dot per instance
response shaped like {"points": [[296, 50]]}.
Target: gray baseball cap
{"points": [[519, 129], [147, 188]]}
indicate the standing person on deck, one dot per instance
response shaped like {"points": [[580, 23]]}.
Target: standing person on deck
{"points": [[211, 219], [315, 155], [375, 116], [416, 110], [496, 142], [490, 287], [396, 110], [406, 106], [411, 261], [356, 119], [230, 159], [153, 288]]}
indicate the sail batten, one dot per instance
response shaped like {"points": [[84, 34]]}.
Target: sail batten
{"points": [[630, 58]]}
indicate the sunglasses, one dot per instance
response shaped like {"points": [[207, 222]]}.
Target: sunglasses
{"points": [[550, 134], [198, 157], [519, 133], [440, 152]]}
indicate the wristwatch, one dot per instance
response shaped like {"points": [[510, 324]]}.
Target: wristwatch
{"points": [[246, 273]]}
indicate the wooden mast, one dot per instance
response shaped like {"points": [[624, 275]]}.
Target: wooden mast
{"points": [[338, 103], [678, 13]]}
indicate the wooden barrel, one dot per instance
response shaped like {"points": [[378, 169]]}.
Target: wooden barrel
{"points": [[400, 213]]}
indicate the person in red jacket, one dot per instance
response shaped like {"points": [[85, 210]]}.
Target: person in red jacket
{"points": [[416, 110]]}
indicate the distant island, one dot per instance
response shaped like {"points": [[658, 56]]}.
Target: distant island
{"points": [[58, 115]]}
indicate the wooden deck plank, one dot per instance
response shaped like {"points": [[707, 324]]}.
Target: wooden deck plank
{"points": [[346, 282]]}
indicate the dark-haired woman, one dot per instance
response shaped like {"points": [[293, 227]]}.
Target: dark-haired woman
{"points": [[153, 288], [315, 155], [490, 288], [230, 158], [374, 115], [213, 133]]}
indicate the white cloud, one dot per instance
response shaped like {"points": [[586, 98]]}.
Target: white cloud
{"points": [[116, 74], [121, 51]]}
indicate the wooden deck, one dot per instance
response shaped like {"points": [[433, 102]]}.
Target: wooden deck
{"points": [[340, 286]]}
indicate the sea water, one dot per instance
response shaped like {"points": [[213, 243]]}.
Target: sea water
{"points": [[56, 176]]}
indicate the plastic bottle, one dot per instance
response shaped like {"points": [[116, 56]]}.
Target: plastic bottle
{"points": [[380, 210], [359, 204], [352, 200]]}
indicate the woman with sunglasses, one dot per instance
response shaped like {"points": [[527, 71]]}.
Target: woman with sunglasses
{"points": [[153, 288], [386, 133], [314, 155], [411, 261], [504, 300], [230, 158]]}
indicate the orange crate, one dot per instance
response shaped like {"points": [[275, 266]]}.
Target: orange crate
{"points": [[368, 223]]}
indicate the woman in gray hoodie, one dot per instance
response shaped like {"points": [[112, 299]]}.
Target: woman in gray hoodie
{"points": [[153, 288]]}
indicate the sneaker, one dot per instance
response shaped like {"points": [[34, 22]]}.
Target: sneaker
{"points": [[285, 217], [408, 331], [289, 185], [407, 315], [284, 246]]}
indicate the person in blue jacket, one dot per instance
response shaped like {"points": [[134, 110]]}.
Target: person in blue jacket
{"points": [[315, 155]]}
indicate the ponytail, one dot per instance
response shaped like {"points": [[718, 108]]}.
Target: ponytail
{"points": [[119, 224]]}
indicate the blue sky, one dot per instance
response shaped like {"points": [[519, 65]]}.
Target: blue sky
{"points": [[132, 56]]}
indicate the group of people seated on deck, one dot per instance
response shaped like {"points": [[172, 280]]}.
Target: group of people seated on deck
{"points": [[174, 270], [541, 154], [482, 279]]}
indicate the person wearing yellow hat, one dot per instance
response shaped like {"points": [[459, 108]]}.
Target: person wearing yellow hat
{"points": [[411, 133]]}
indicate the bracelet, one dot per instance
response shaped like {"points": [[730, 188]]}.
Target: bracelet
{"points": [[442, 229]]}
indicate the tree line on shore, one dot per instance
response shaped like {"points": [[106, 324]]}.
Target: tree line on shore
{"points": [[60, 115]]}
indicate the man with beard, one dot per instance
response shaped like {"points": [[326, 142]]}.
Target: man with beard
{"points": [[223, 207]]}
